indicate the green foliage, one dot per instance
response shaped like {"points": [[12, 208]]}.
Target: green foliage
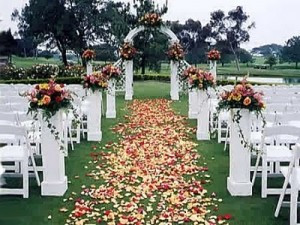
{"points": [[245, 56], [8, 44], [267, 50], [271, 60], [291, 51]]}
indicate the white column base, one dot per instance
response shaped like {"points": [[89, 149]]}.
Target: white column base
{"points": [[175, 97], [239, 189], [94, 136], [111, 115], [54, 188], [128, 97], [203, 136]]}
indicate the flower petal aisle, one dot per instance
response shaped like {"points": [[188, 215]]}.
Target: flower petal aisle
{"points": [[151, 176]]}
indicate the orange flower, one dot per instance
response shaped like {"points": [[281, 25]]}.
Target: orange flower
{"points": [[57, 88], [46, 100], [247, 101]]}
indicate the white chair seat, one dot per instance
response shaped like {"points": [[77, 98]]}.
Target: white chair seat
{"points": [[288, 139], [278, 153], [7, 138], [12, 153], [256, 138]]}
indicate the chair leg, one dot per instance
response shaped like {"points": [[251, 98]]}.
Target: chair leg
{"points": [[226, 139], [71, 138], [294, 202], [78, 133], [25, 179], [34, 168], [282, 194], [256, 168], [264, 178]]}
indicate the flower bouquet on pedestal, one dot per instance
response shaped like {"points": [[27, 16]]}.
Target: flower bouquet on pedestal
{"points": [[96, 83], [241, 101], [50, 99], [214, 55], [200, 81], [88, 55]]}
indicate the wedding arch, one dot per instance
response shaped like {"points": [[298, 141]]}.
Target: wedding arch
{"points": [[126, 83]]}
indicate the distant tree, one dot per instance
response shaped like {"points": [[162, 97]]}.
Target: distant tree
{"points": [[233, 29], [105, 52], [8, 44], [291, 51], [267, 50], [271, 60], [26, 46], [245, 56]]}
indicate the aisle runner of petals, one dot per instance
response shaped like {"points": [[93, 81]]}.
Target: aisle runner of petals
{"points": [[151, 176]]}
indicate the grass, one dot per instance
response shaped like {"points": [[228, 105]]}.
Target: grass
{"points": [[280, 70], [245, 210]]}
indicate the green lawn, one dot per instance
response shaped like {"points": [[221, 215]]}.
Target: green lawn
{"points": [[36, 209], [280, 70]]}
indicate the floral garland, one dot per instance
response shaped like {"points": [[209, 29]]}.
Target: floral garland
{"points": [[176, 52], [95, 81], [89, 55], [151, 20], [214, 55], [199, 78], [49, 98], [127, 51], [111, 72], [243, 96]]}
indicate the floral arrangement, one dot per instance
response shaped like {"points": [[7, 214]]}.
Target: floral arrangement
{"points": [[199, 78], [176, 52], [151, 20], [111, 71], [95, 81], [214, 55], [89, 55], [127, 51], [242, 96], [50, 97], [71, 71]]}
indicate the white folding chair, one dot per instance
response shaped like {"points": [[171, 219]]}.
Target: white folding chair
{"points": [[16, 153], [274, 153], [292, 177]]}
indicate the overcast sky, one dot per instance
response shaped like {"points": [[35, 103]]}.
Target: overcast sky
{"points": [[276, 20]]}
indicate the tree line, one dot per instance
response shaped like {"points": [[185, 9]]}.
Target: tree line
{"points": [[103, 24]]}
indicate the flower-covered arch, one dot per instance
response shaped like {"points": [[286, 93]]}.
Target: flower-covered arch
{"points": [[128, 64]]}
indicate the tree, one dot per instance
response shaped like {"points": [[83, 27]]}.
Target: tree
{"points": [[105, 52], [267, 50], [47, 21], [46, 54], [271, 60], [233, 29], [8, 44], [245, 56], [291, 51]]}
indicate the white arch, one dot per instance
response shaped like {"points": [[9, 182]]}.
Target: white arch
{"points": [[163, 29]]}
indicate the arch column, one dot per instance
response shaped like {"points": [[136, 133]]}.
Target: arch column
{"points": [[174, 80], [129, 79]]}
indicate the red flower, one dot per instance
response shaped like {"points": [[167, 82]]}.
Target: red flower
{"points": [[58, 99], [227, 216]]}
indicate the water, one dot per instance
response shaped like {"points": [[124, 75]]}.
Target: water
{"points": [[263, 80]]}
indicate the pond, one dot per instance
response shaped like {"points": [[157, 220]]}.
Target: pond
{"points": [[272, 80]]}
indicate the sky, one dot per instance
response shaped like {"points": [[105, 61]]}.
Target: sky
{"points": [[276, 20]]}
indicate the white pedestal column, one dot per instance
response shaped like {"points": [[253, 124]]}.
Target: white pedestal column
{"points": [[203, 116], [55, 181], [111, 99], [193, 103], [129, 79], [213, 68], [94, 116], [174, 80], [238, 182], [89, 68]]}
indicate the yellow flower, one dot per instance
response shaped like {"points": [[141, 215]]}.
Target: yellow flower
{"points": [[44, 86], [237, 97], [194, 77]]}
